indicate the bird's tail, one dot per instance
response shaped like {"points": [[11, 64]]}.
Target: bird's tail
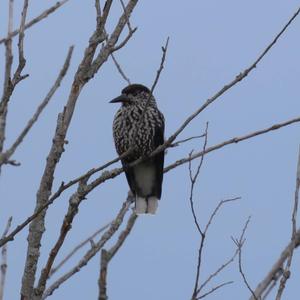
{"points": [[146, 205]]}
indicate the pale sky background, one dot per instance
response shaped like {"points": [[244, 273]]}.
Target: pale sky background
{"points": [[210, 43]]}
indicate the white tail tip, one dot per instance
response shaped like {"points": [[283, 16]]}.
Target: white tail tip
{"points": [[146, 206], [152, 205], [140, 205]]}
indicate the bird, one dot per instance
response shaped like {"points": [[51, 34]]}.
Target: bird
{"points": [[138, 127]]}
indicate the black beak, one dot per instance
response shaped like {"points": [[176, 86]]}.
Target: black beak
{"points": [[123, 98]]}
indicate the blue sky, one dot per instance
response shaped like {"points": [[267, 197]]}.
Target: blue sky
{"points": [[210, 43]]}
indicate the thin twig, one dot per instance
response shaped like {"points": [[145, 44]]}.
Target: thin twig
{"points": [[203, 236], [94, 249], [37, 19], [212, 216], [22, 61], [214, 289], [162, 62], [78, 247], [107, 255], [4, 158], [125, 41], [3, 266], [234, 140], [119, 68], [131, 30], [187, 140], [193, 180], [128, 19], [286, 272], [220, 269], [239, 243], [227, 87]]}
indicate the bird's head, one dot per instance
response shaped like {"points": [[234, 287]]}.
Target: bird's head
{"points": [[134, 94]]}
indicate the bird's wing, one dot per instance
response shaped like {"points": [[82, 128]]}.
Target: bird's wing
{"points": [[158, 159], [130, 176]]}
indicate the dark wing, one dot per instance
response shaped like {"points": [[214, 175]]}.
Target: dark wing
{"points": [[158, 159], [130, 177]]}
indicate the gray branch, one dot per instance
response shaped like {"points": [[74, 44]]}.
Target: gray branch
{"points": [[107, 255], [4, 157], [86, 70], [277, 269], [37, 19], [3, 266], [95, 248]]}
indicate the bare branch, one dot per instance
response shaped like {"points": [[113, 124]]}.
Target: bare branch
{"points": [[203, 234], [286, 272], [86, 70], [126, 39], [10, 83], [106, 175], [95, 248], [214, 289], [102, 281], [162, 62], [7, 87], [203, 237], [186, 140], [98, 10], [4, 158], [22, 61], [227, 87], [130, 30], [128, 19], [216, 210], [78, 247], [193, 180], [277, 269], [239, 243], [106, 256], [234, 140], [110, 46], [3, 266], [220, 269], [37, 19], [74, 203], [120, 69]]}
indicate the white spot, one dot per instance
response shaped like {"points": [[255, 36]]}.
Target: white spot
{"points": [[140, 205], [152, 205]]}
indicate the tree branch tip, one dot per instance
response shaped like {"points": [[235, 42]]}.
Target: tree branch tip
{"points": [[14, 163], [24, 76], [167, 43]]}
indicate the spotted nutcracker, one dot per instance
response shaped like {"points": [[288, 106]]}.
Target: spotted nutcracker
{"points": [[143, 135]]}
